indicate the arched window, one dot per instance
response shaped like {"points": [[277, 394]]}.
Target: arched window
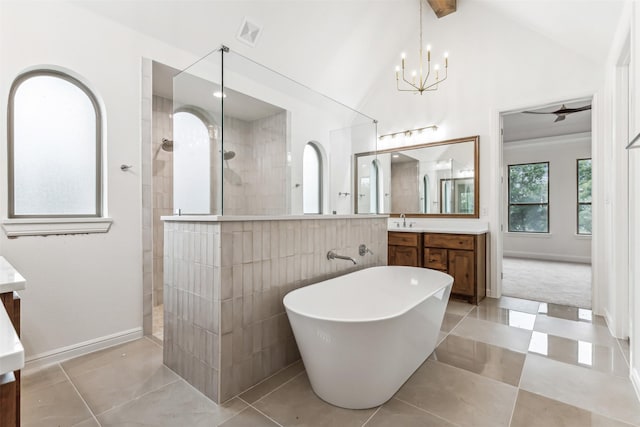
{"points": [[55, 145], [311, 179], [191, 164]]}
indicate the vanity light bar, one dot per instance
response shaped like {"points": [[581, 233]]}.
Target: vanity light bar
{"points": [[409, 132]]}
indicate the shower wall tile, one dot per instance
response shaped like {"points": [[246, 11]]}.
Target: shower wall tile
{"points": [[147, 203], [191, 309], [162, 169], [255, 179]]}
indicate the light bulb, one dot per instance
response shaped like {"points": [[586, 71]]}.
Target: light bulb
{"points": [[403, 55], [397, 68], [446, 54], [428, 48], [436, 67], [413, 73]]}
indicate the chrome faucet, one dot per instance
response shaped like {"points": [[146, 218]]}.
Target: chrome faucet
{"points": [[404, 220], [363, 249], [333, 255]]}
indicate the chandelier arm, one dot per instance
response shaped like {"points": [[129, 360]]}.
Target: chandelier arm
{"points": [[428, 74], [435, 83], [408, 82]]}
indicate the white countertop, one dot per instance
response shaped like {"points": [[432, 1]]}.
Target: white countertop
{"points": [[11, 350], [220, 218], [429, 225], [10, 279]]}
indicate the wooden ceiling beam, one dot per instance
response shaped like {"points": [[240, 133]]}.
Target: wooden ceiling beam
{"points": [[442, 7]]}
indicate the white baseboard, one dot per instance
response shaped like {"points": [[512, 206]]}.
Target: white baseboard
{"points": [[610, 322], [42, 360], [548, 257], [635, 380]]}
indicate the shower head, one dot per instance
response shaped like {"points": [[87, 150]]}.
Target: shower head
{"points": [[228, 155], [167, 145]]}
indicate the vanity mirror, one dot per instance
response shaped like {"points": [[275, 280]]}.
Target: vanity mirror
{"points": [[437, 179]]}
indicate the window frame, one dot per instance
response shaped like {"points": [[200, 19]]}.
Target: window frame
{"points": [[578, 202], [99, 205], [509, 204], [318, 154]]}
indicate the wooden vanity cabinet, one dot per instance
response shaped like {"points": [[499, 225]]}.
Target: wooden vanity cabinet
{"points": [[404, 249], [463, 256], [10, 382]]}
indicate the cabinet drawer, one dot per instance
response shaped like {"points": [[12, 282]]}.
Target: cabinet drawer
{"points": [[449, 241], [404, 239], [435, 258]]}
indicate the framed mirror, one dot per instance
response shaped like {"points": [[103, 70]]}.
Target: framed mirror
{"points": [[438, 179]]}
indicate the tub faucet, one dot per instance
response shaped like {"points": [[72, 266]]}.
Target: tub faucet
{"points": [[333, 255], [404, 220], [363, 250]]}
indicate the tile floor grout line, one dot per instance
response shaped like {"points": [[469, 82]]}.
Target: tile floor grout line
{"points": [[424, 410], [373, 415], [269, 377], [515, 402], [259, 411], [279, 387], [79, 395], [139, 397]]}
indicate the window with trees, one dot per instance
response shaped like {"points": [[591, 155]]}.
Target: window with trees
{"points": [[584, 196], [55, 144], [529, 198]]}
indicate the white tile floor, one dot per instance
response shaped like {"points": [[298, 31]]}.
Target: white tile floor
{"points": [[508, 362]]}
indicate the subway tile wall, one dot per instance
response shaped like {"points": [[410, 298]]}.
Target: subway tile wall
{"points": [[225, 325], [147, 202], [162, 164], [191, 310], [255, 179]]}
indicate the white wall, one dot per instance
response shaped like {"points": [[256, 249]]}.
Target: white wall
{"points": [[82, 288], [562, 243], [495, 65], [619, 245]]}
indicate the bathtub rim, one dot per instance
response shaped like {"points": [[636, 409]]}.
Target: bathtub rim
{"points": [[368, 319]]}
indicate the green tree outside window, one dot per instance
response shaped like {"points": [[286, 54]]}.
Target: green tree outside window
{"points": [[529, 198]]}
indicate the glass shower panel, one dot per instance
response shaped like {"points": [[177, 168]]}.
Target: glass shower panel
{"points": [[197, 137], [268, 120]]}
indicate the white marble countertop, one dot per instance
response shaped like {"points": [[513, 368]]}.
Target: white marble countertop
{"points": [[10, 279], [220, 218], [438, 226], [11, 350]]}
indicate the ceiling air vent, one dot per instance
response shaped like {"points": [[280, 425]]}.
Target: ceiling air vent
{"points": [[249, 32]]}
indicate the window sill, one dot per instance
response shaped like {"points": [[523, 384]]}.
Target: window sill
{"points": [[55, 226], [582, 236], [527, 234]]}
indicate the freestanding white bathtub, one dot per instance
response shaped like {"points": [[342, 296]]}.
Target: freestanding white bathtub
{"points": [[362, 335]]}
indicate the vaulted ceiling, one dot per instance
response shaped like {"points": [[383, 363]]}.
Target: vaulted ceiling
{"points": [[346, 49]]}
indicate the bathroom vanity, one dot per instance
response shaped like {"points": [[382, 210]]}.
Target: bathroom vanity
{"points": [[458, 252], [11, 349]]}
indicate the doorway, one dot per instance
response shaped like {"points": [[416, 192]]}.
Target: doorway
{"points": [[546, 203]]}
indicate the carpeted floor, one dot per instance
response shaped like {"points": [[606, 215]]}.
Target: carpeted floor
{"points": [[547, 281]]}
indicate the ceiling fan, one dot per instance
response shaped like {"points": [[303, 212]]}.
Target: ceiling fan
{"points": [[562, 112]]}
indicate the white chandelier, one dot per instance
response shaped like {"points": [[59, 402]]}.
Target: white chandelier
{"points": [[419, 80]]}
